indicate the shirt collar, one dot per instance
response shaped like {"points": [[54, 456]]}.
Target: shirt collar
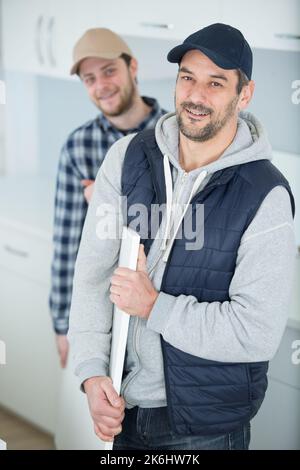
{"points": [[154, 114]]}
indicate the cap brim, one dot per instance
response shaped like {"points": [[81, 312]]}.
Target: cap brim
{"points": [[175, 55], [102, 55]]}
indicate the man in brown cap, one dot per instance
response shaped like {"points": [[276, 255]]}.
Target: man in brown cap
{"points": [[108, 70]]}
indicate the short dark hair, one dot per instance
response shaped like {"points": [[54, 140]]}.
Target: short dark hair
{"points": [[126, 57], [243, 80]]}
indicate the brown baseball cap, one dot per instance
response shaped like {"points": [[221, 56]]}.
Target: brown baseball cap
{"points": [[98, 42]]}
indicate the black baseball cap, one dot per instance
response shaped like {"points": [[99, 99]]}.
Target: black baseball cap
{"points": [[223, 44]]}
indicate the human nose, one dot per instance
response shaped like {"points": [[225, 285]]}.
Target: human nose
{"points": [[101, 84], [197, 94]]}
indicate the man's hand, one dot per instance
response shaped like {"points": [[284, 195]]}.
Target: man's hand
{"points": [[62, 345], [88, 189], [132, 291], [106, 407]]}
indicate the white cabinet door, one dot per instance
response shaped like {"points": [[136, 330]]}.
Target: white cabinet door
{"points": [[159, 19], [65, 22], [38, 35], [75, 429], [268, 24], [276, 425], [22, 24], [30, 377], [294, 310]]}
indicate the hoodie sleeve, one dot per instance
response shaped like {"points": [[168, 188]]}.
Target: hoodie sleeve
{"points": [[91, 310], [248, 327]]}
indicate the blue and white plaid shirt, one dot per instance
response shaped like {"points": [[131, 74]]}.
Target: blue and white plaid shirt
{"points": [[81, 158]]}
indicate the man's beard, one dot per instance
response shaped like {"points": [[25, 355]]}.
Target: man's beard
{"points": [[126, 101], [212, 128]]}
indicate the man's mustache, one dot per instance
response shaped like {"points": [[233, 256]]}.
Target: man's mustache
{"points": [[196, 107]]}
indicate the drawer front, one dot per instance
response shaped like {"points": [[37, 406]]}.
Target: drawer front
{"points": [[25, 254]]}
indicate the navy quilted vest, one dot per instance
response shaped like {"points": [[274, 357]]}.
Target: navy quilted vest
{"points": [[204, 396]]}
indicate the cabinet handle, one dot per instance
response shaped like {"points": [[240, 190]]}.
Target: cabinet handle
{"points": [[38, 47], [50, 41], [145, 24], [287, 36], [16, 252]]}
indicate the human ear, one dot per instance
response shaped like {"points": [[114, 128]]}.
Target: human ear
{"points": [[246, 95]]}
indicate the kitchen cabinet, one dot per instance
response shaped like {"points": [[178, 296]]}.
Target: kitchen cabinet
{"points": [[24, 36], [30, 378], [294, 310], [271, 24], [289, 165], [75, 428], [38, 35], [276, 425], [49, 30], [157, 19]]}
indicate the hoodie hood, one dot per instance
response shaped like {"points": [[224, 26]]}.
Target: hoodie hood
{"points": [[250, 143]]}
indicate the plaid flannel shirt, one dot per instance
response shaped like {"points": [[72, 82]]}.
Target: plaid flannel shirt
{"points": [[81, 158]]}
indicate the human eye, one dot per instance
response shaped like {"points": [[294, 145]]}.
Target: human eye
{"points": [[110, 71], [89, 80], [216, 84]]}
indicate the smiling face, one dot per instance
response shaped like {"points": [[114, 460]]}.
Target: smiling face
{"points": [[110, 84], [206, 98]]}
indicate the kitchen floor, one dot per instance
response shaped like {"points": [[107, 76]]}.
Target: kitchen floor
{"points": [[22, 435]]}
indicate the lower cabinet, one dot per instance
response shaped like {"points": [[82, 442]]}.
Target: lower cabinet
{"points": [[75, 428], [29, 380], [277, 424]]}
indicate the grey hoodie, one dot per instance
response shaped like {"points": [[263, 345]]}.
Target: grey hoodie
{"points": [[247, 328]]}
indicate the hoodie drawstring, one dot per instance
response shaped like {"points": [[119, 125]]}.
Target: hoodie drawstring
{"points": [[196, 185], [169, 195]]}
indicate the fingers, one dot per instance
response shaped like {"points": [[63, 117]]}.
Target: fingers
{"points": [[86, 182], [108, 428], [103, 437], [117, 290], [63, 349], [141, 264], [108, 411], [115, 299], [117, 280], [113, 398], [88, 192], [109, 431], [112, 422], [142, 260], [63, 358], [107, 408], [124, 272]]}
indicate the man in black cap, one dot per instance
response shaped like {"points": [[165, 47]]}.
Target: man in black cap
{"points": [[205, 318]]}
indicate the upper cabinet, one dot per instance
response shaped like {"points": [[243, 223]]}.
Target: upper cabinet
{"points": [[267, 24], [167, 19], [39, 35]]}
